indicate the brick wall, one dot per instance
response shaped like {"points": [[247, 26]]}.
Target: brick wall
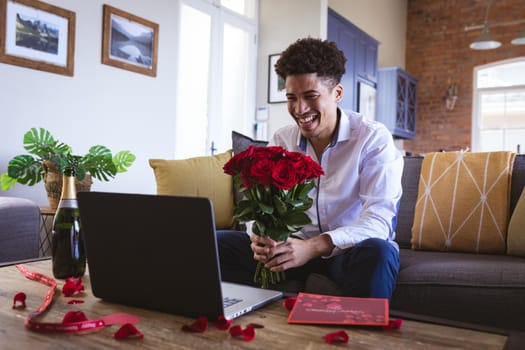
{"points": [[438, 52]]}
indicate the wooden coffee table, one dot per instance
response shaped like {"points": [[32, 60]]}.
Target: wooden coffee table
{"points": [[163, 331]]}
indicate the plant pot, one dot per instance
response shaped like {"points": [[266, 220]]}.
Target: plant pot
{"points": [[53, 184]]}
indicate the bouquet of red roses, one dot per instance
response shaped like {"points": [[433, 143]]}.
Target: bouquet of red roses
{"points": [[275, 184]]}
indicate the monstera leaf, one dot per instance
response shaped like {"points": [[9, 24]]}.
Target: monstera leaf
{"points": [[27, 169]]}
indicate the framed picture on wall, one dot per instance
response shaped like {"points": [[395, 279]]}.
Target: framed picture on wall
{"points": [[276, 90], [37, 35], [129, 42]]}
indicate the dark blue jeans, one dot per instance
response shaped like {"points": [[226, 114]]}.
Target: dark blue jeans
{"points": [[369, 269]]}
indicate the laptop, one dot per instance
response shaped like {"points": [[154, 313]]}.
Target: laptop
{"points": [[160, 253]]}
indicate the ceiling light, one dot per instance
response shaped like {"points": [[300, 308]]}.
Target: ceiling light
{"points": [[520, 39], [485, 40]]}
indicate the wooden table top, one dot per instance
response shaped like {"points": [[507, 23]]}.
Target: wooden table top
{"points": [[163, 331], [47, 211]]}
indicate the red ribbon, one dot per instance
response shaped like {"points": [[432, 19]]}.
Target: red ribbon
{"points": [[73, 322]]}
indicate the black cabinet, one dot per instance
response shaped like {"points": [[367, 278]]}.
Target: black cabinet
{"points": [[397, 101], [361, 53]]}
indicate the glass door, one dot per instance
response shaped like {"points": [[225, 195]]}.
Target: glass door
{"points": [[216, 80], [192, 107]]}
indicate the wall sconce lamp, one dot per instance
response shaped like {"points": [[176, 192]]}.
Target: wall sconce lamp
{"points": [[451, 96], [485, 41]]}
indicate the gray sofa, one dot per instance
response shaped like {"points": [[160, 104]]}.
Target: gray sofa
{"points": [[19, 229], [476, 288], [484, 289]]}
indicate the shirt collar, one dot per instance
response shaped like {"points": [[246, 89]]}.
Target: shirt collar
{"points": [[342, 131]]}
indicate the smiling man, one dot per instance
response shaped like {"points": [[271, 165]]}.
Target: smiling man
{"points": [[351, 238]]}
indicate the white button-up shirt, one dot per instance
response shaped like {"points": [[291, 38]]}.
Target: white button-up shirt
{"points": [[358, 196]]}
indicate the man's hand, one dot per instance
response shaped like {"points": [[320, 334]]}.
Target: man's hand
{"points": [[262, 247], [280, 256]]}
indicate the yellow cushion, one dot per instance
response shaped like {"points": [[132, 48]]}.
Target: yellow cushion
{"points": [[198, 177], [516, 231], [463, 202]]}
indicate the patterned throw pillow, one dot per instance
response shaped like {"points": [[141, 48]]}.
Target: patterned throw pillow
{"points": [[201, 177], [463, 202]]}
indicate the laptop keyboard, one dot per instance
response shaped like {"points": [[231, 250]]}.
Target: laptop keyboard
{"points": [[230, 301]]}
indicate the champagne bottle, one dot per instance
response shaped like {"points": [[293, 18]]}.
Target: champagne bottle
{"points": [[68, 255]]}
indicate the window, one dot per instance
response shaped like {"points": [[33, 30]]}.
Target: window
{"points": [[499, 107], [242, 7], [215, 91]]}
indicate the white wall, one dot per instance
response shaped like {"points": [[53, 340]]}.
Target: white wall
{"points": [[100, 104], [280, 24]]}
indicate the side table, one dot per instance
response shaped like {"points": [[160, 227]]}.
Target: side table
{"points": [[46, 229]]}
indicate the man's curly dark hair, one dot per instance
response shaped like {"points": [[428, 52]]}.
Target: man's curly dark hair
{"points": [[311, 55]]}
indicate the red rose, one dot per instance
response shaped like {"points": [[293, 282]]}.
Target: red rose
{"points": [[315, 169], [268, 175], [234, 165], [261, 171], [283, 174], [272, 165]]}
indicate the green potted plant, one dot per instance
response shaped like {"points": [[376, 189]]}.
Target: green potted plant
{"points": [[48, 158]]}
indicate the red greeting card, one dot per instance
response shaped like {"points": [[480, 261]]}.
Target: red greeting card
{"points": [[326, 309]]}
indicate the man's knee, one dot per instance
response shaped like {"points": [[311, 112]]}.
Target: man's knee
{"points": [[379, 248]]}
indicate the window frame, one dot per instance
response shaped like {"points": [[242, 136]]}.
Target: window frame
{"points": [[476, 99]]}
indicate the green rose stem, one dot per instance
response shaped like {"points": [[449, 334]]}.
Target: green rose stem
{"points": [[264, 277]]}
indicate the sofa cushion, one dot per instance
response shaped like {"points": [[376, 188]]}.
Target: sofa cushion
{"points": [[518, 180], [516, 231], [19, 229], [463, 202], [476, 288], [465, 269], [405, 215], [201, 177], [241, 142]]}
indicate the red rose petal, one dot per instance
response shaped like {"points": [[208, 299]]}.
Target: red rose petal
{"points": [[393, 324], [235, 331], [200, 325], [336, 337], [19, 301], [289, 303], [75, 301], [74, 316], [248, 333], [128, 331], [72, 286], [222, 323]]}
